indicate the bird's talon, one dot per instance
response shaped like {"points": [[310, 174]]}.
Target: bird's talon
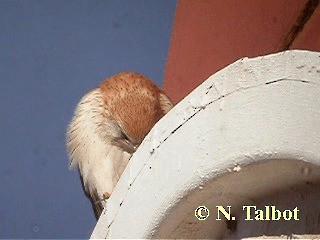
{"points": [[106, 196]]}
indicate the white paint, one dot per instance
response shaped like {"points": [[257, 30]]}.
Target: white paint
{"points": [[248, 134]]}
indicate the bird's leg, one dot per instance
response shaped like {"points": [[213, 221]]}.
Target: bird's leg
{"points": [[104, 198]]}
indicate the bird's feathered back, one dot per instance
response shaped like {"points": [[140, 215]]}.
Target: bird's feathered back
{"points": [[134, 101]]}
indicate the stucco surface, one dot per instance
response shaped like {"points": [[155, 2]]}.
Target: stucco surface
{"points": [[248, 133]]}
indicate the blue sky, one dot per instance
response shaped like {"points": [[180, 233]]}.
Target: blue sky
{"points": [[51, 53]]}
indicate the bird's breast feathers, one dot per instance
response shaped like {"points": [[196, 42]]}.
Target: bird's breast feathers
{"points": [[90, 146]]}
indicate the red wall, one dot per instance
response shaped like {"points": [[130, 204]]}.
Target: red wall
{"points": [[210, 34]]}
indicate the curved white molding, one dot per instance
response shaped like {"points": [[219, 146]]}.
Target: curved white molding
{"points": [[250, 134]]}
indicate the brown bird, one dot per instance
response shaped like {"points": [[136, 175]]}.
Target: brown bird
{"points": [[108, 125]]}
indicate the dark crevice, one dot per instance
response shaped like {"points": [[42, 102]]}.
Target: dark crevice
{"points": [[303, 18]]}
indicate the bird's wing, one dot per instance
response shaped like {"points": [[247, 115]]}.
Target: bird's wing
{"points": [[94, 199], [165, 102], [103, 177]]}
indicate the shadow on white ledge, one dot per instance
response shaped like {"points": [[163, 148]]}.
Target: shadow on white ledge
{"points": [[249, 135]]}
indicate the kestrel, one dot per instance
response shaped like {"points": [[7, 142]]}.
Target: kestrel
{"points": [[108, 125]]}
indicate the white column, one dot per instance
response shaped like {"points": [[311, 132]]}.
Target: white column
{"points": [[247, 136]]}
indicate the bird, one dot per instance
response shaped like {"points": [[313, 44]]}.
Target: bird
{"points": [[108, 125]]}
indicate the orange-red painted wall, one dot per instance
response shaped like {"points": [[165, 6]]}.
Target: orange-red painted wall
{"points": [[211, 34]]}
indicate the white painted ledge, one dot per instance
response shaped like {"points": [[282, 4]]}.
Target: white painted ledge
{"points": [[249, 135]]}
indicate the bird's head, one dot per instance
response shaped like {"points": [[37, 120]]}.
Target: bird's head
{"points": [[134, 104]]}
